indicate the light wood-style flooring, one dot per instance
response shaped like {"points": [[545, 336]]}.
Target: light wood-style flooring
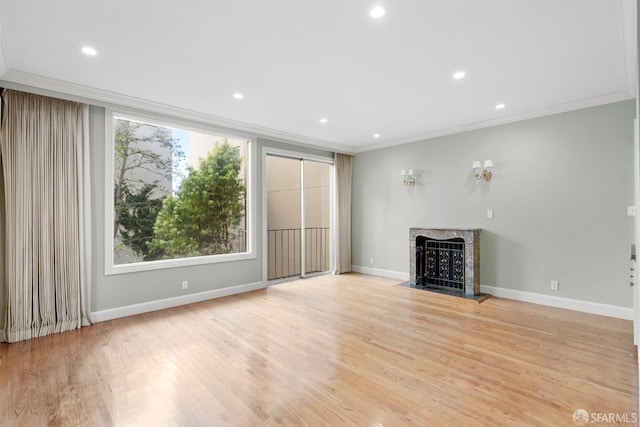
{"points": [[349, 350]]}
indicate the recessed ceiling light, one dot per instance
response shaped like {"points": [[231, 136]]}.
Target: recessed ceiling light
{"points": [[459, 75], [89, 51], [377, 12], [500, 106], [238, 95], [323, 120], [376, 135]]}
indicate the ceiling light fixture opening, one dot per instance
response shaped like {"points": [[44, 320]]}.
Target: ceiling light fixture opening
{"points": [[376, 135], [458, 75], [238, 95], [377, 12], [87, 50], [500, 106], [323, 120]]}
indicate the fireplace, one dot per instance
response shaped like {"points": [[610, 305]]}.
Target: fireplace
{"points": [[446, 260]]}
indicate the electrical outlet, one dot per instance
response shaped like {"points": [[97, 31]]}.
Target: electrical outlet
{"points": [[554, 285], [370, 260], [490, 214], [631, 211], [185, 284]]}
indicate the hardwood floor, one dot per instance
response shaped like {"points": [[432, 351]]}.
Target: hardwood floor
{"points": [[331, 350]]}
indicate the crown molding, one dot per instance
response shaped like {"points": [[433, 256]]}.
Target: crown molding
{"points": [[556, 109], [105, 98]]}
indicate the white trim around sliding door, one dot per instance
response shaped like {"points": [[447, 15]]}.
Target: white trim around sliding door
{"points": [[272, 151]]}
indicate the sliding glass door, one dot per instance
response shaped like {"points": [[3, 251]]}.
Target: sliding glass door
{"points": [[316, 224], [298, 195]]}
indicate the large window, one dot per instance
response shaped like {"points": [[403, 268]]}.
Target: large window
{"points": [[176, 196]]}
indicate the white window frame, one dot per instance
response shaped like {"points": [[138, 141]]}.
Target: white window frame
{"points": [[250, 164]]}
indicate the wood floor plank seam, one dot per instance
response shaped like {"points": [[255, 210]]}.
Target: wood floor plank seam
{"points": [[348, 350]]}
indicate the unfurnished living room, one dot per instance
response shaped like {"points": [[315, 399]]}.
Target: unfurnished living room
{"points": [[319, 212]]}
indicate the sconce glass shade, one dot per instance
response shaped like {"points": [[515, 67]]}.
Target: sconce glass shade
{"points": [[408, 178], [482, 172]]}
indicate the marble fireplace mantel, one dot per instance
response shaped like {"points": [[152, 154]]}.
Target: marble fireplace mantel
{"points": [[471, 239]]}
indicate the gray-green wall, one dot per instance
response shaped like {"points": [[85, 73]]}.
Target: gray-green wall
{"points": [[120, 290], [560, 190]]}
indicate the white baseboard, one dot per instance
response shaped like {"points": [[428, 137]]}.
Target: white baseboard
{"points": [[560, 302], [379, 272], [145, 307], [548, 300]]}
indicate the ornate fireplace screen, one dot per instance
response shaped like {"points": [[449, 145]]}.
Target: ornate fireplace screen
{"points": [[446, 260], [440, 263]]}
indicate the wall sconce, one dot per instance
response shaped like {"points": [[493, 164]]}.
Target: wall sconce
{"points": [[408, 178], [482, 173]]}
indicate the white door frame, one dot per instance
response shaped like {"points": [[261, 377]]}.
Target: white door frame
{"points": [[636, 281], [636, 186]]}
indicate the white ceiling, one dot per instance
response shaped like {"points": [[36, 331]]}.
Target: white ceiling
{"points": [[298, 61]]}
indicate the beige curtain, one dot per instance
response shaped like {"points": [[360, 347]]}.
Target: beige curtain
{"points": [[343, 213], [41, 144]]}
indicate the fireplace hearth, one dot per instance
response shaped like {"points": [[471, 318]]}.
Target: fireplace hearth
{"points": [[446, 261]]}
